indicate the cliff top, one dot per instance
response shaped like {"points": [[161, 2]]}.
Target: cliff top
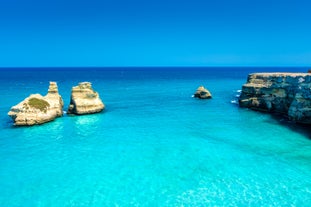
{"points": [[281, 74]]}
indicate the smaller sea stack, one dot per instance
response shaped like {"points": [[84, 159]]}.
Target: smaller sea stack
{"points": [[84, 100]]}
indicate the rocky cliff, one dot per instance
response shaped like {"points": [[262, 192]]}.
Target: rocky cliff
{"points": [[84, 100], [38, 109], [285, 93]]}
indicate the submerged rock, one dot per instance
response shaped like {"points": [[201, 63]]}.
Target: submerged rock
{"points": [[38, 109], [284, 93], [202, 93], [84, 100]]}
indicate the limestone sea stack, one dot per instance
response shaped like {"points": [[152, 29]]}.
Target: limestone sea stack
{"points": [[38, 109], [202, 93], [284, 93], [84, 100]]}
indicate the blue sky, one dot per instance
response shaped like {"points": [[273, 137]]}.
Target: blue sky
{"points": [[155, 33]]}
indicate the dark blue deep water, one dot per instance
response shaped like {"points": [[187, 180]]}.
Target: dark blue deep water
{"points": [[154, 145]]}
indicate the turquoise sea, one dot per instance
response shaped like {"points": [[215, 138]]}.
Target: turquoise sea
{"points": [[154, 145]]}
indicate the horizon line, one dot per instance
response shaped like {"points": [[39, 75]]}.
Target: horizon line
{"points": [[36, 67]]}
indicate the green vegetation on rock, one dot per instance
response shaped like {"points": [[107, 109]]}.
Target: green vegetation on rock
{"points": [[40, 104], [91, 95]]}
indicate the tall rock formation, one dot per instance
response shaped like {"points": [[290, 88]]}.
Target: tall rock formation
{"points": [[37, 109], [284, 93], [84, 100]]}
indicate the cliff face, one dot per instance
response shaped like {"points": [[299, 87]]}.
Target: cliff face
{"points": [[285, 93], [84, 100], [37, 109]]}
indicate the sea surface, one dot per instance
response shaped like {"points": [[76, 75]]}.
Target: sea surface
{"points": [[154, 145]]}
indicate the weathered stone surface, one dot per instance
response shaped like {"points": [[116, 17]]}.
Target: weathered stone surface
{"points": [[202, 93], [84, 100], [285, 93], [37, 109]]}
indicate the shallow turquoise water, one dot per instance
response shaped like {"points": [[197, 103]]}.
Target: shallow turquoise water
{"points": [[153, 146]]}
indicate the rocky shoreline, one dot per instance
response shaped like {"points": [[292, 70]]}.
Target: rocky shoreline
{"points": [[284, 93]]}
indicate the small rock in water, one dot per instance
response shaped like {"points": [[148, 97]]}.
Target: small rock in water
{"points": [[202, 93]]}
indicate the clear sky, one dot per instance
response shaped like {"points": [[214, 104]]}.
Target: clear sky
{"points": [[155, 33]]}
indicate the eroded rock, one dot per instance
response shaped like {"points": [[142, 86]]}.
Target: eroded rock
{"points": [[38, 109], [84, 100]]}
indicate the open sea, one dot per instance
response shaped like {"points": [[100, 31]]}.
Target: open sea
{"points": [[154, 145]]}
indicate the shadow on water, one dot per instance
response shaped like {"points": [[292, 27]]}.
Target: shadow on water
{"points": [[283, 120]]}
